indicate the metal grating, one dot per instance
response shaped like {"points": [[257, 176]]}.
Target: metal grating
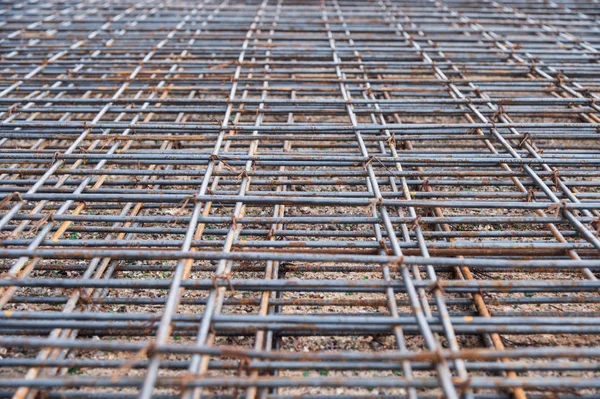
{"points": [[299, 198]]}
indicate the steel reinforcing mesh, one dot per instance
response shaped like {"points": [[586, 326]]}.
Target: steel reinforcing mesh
{"points": [[325, 199]]}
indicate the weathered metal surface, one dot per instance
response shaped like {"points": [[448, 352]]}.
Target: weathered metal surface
{"points": [[283, 198]]}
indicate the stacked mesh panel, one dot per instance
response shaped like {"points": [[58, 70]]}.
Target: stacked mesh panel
{"points": [[284, 198]]}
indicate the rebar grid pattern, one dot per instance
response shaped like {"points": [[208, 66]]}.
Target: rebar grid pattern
{"points": [[266, 199]]}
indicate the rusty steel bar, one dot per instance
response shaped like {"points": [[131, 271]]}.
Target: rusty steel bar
{"points": [[281, 198]]}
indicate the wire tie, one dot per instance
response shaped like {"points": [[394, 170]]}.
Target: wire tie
{"points": [[86, 300], [437, 285], [399, 261], [184, 203], [368, 162], [392, 140], [382, 245], [374, 205], [56, 155], [559, 78], [47, 218], [415, 223], [555, 179], [215, 157], [530, 195], [463, 383], [226, 277], [558, 208], [526, 139], [596, 225], [499, 112], [242, 174], [218, 122], [10, 198], [532, 67]]}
